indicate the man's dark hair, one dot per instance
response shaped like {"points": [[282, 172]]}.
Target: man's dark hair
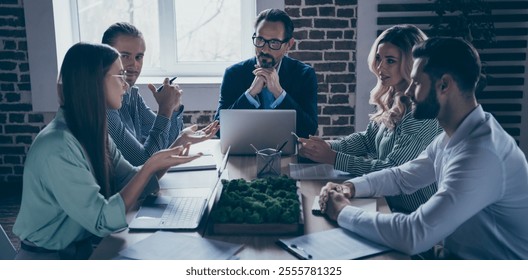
{"points": [[277, 15], [452, 56], [118, 29]]}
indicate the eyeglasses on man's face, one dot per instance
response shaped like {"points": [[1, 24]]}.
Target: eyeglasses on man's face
{"points": [[274, 44]]}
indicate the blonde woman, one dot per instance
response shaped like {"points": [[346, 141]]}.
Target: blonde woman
{"points": [[393, 136]]}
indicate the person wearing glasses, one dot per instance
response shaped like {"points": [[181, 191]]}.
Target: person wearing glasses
{"points": [[137, 131], [76, 182], [271, 80]]}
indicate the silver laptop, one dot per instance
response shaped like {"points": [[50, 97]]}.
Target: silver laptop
{"points": [[182, 211], [261, 128]]}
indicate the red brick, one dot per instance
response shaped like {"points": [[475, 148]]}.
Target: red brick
{"points": [[322, 98], [299, 23], [341, 78], [330, 67], [323, 87], [342, 56], [339, 99], [293, 2], [334, 34], [293, 12], [345, 45], [323, 120], [338, 88], [318, 2], [309, 12], [327, 11], [331, 23], [319, 45], [340, 121], [338, 110], [317, 34], [345, 13]]}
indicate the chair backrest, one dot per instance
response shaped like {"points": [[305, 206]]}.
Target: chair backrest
{"points": [[7, 251]]}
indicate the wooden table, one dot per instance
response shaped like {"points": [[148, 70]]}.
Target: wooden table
{"points": [[255, 246]]}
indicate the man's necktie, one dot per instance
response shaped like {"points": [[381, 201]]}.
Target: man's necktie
{"points": [[267, 98]]}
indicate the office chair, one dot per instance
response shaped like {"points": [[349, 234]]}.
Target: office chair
{"points": [[7, 251]]}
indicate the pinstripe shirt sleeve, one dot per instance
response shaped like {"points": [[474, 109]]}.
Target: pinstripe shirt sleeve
{"points": [[176, 125], [127, 143], [150, 135], [409, 139], [359, 143]]}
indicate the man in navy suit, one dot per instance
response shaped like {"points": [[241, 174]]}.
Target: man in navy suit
{"points": [[271, 80]]}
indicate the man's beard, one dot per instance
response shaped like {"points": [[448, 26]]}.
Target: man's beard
{"points": [[265, 60], [427, 109]]}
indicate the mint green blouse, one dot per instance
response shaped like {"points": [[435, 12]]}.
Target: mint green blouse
{"points": [[61, 202]]}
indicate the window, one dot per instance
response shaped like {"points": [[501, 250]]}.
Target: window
{"points": [[52, 27], [187, 38]]}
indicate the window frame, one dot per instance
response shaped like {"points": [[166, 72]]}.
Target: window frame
{"points": [[50, 33], [169, 65]]}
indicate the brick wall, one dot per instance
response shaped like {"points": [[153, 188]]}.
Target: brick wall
{"points": [[18, 124], [325, 31], [326, 39]]}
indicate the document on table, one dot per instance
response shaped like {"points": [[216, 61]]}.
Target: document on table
{"points": [[163, 245], [335, 244], [205, 162], [316, 171]]}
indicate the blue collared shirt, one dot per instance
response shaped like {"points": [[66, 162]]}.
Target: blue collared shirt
{"points": [[139, 132]]}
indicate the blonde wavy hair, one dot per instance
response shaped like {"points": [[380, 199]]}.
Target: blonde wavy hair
{"points": [[391, 105]]}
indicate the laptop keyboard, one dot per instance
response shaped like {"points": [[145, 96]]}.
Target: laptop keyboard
{"points": [[183, 212]]}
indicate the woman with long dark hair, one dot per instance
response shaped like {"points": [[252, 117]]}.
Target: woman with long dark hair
{"points": [[76, 183]]}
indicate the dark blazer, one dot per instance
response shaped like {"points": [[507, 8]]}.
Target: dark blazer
{"points": [[296, 78]]}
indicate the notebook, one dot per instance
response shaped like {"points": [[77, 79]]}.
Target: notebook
{"points": [[184, 211], [163, 245], [261, 128], [316, 171], [205, 162]]}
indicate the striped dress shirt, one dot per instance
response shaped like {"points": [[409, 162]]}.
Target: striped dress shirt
{"points": [[379, 147], [139, 132]]}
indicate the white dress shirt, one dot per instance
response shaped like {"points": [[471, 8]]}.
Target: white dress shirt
{"points": [[480, 210]]}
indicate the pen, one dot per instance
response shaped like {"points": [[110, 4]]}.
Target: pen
{"points": [[170, 82], [296, 136], [282, 146]]}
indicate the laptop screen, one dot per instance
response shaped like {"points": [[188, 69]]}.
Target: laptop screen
{"points": [[261, 128]]}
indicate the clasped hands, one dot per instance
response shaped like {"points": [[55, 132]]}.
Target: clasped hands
{"points": [[265, 77], [334, 197]]}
